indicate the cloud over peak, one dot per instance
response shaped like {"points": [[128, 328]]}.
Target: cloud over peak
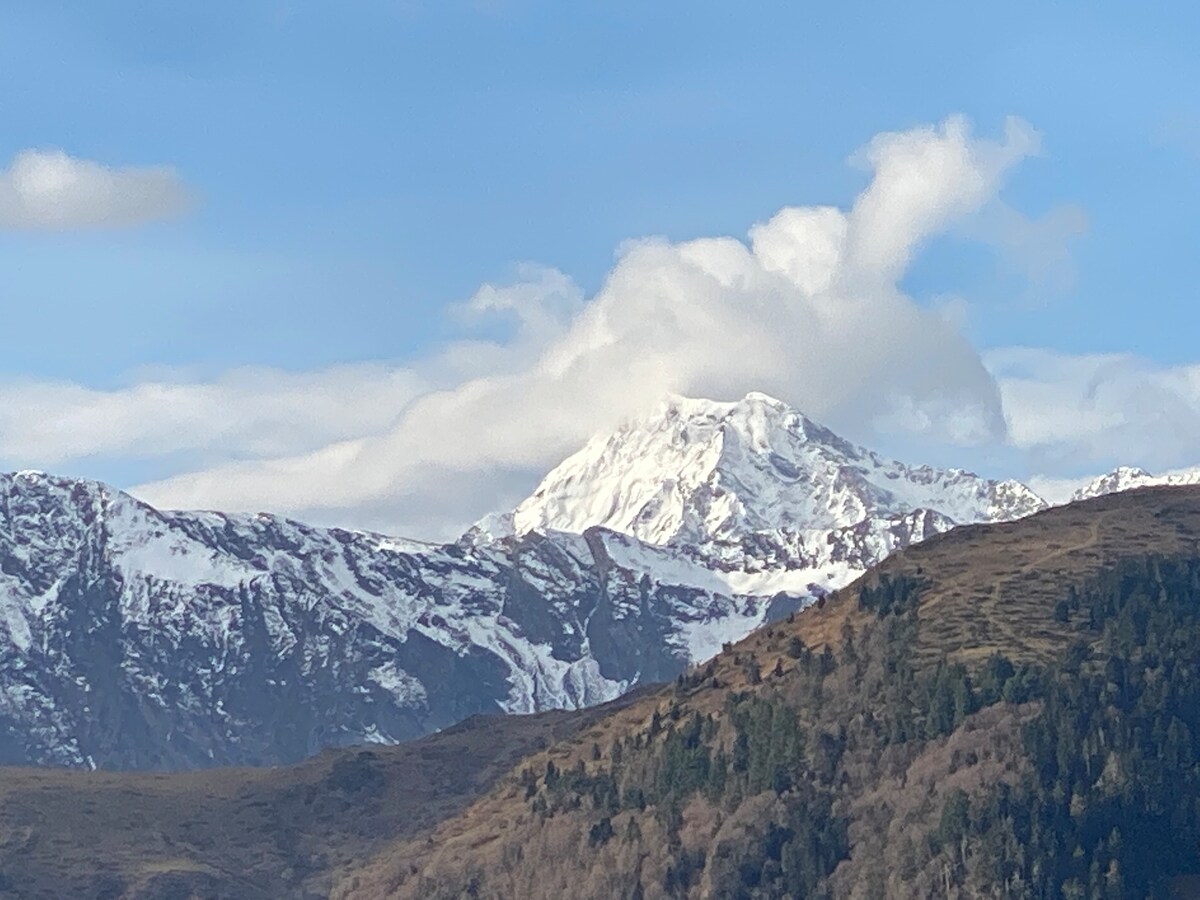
{"points": [[49, 190], [809, 309]]}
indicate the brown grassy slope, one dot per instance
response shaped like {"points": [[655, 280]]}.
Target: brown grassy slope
{"points": [[248, 833], [987, 589]]}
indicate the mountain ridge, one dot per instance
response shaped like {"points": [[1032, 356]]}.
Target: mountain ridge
{"points": [[896, 731], [1125, 478], [696, 472], [884, 743], [133, 637]]}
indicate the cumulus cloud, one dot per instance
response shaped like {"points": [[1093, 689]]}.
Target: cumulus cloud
{"points": [[924, 179], [1089, 412], [47, 189], [808, 308]]}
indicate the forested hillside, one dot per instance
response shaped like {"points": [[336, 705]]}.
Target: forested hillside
{"points": [[1003, 711], [1033, 734]]}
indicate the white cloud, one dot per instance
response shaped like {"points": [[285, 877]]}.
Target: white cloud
{"points": [[47, 189], [1090, 412], [808, 309], [246, 413], [924, 180]]}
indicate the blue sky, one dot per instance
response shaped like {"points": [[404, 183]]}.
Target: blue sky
{"points": [[356, 171]]}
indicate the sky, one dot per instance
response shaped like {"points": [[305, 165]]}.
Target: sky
{"points": [[383, 263]]}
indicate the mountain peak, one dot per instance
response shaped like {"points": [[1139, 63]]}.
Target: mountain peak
{"points": [[675, 406], [699, 471], [1124, 478]]}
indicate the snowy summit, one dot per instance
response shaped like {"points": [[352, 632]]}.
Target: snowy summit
{"points": [[698, 471], [639, 555]]}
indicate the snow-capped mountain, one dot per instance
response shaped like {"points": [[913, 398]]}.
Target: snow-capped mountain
{"points": [[1125, 478], [759, 493], [695, 472], [136, 638], [131, 637]]}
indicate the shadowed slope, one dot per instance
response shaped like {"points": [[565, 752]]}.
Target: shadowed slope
{"points": [[249, 833]]}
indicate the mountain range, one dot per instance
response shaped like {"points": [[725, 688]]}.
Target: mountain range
{"points": [[1004, 710], [145, 639]]}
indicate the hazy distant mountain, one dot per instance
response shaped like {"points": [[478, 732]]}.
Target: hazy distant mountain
{"points": [[1125, 478], [1002, 710]]}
